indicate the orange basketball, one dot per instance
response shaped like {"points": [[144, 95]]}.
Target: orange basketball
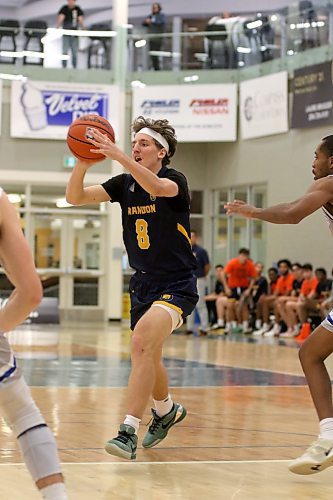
{"points": [[77, 136]]}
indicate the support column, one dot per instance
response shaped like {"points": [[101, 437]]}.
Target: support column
{"points": [[330, 22], [114, 278], [176, 43]]}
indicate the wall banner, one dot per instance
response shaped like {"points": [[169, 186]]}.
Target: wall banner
{"points": [[199, 113], [264, 106], [313, 96], [44, 110]]}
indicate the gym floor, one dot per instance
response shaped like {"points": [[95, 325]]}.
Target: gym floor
{"points": [[249, 413]]}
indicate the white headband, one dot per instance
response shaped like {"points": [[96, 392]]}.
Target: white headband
{"points": [[155, 135]]}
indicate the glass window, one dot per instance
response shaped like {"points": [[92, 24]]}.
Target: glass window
{"points": [[85, 291], [196, 225], [220, 241], [232, 233], [86, 241], [222, 200], [240, 195], [196, 202], [239, 237], [259, 196], [47, 230], [258, 240]]}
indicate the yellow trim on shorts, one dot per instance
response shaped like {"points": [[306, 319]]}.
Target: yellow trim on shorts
{"points": [[172, 306], [184, 232]]}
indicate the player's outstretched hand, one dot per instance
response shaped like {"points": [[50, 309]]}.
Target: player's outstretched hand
{"points": [[241, 208]]}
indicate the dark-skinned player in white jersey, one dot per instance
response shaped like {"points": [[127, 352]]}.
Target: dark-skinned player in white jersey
{"points": [[319, 345], [155, 216]]}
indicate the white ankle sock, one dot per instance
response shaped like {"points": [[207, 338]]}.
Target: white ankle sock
{"points": [[326, 428], [133, 422], [163, 407], [220, 322], [56, 491]]}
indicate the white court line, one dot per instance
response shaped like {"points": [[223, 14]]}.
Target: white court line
{"points": [[204, 462]]}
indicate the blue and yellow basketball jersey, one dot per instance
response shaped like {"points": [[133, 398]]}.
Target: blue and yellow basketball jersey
{"points": [[156, 230]]}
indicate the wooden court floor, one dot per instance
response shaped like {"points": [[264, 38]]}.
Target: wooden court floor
{"points": [[249, 413]]}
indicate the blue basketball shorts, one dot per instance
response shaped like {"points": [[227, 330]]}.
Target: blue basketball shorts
{"points": [[179, 293]]}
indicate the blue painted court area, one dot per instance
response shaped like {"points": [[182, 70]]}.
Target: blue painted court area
{"points": [[109, 372]]}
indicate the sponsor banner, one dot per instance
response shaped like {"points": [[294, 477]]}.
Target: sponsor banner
{"points": [[44, 110], [264, 106], [199, 113], [312, 96]]}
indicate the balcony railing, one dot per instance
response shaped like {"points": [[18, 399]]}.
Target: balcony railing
{"points": [[230, 43]]}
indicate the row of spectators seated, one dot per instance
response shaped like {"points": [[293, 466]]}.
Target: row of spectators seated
{"points": [[34, 30], [288, 303]]}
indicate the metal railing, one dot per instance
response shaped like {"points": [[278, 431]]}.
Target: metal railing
{"points": [[229, 43]]}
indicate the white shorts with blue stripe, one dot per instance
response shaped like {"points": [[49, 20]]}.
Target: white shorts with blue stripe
{"points": [[328, 321]]}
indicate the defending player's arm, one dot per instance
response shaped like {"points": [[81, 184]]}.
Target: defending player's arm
{"points": [[77, 194], [320, 193], [149, 181], [16, 258]]}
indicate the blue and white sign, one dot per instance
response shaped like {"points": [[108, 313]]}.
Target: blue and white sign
{"points": [[44, 110], [199, 113]]}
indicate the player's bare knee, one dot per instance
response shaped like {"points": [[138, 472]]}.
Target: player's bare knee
{"points": [[307, 355], [141, 345]]}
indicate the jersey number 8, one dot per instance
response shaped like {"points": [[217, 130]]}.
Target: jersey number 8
{"points": [[141, 227]]}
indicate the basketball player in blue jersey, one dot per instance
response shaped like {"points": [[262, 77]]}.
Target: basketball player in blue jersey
{"points": [[155, 216], [34, 437], [319, 345]]}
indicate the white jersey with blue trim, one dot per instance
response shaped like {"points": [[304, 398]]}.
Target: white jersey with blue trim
{"points": [[328, 218]]}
